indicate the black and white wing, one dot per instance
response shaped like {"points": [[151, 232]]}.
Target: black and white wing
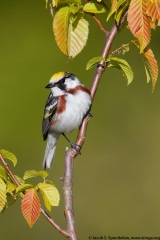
{"points": [[49, 111]]}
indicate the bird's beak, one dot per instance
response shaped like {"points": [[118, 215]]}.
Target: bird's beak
{"points": [[50, 85]]}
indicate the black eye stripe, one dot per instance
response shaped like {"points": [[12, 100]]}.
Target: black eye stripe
{"points": [[61, 82]]}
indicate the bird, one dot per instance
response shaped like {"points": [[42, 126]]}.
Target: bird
{"points": [[69, 102]]}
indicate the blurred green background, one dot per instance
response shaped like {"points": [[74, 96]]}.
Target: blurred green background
{"points": [[117, 177]]}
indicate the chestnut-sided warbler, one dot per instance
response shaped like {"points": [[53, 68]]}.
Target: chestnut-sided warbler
{"points": [[68, 103]]}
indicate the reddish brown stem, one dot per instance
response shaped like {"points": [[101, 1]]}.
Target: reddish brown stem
{"points": [[71, 153], [99, 23], [12, 176]]}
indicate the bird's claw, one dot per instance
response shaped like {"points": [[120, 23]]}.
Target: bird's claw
{"points": [[90, 114], [75, 147]]}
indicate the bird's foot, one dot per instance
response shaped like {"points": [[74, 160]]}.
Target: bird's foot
{"points": [[90, 114], [76, 147], [73, 145]]}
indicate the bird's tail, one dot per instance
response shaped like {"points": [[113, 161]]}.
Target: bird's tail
{"points": [[50, 149]]}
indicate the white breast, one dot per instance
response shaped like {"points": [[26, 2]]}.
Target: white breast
{"points": [[76, 107]]}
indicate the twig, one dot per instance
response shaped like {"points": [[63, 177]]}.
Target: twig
{"points": [[48, 217], [63, 232], [99, 23], [71, 153]]}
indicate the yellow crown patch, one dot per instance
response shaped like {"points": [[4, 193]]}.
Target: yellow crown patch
{"points": [[57, 76]]}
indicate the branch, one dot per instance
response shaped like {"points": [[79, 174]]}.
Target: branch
{"points": [[71, 153], [63, 232], [97, 20], [99, 23]]}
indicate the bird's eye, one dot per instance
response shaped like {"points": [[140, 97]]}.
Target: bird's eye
{"points": [[63, 80]]}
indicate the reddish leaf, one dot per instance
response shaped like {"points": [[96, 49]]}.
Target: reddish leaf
{"points": [[151, 66], [31, 206], [139, 23], [153, 11]]}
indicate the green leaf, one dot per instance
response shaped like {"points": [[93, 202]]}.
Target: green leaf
{"points": [[23, 187], [10, 199], [8, 155], [20, 180], [50, 195], [93, 8], [113, 9], [123, 66], [69, 2], [94, 61], [32, 173], [121, 10], [55, 3], [147, 73], [121, 2], [11, 187], [77, 36], [43, 174], [2, 194], [75, 8], [3, 174]]}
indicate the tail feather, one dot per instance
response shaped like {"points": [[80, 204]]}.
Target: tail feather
{"points": [[50, 150]]}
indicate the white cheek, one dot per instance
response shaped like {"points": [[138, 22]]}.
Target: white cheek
{"points": [[57, 91], [72, 83]]}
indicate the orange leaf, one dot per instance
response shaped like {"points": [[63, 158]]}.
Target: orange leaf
{"points": [[153, 10], [31, 206], [60, 27], [151, 66], [139, 23]]}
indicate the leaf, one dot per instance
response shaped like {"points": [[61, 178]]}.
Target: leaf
{"points": [[10, 199], [153, 10], [50, 195], [77, 36], [113, 8], [32, 173], [94, 61], [93, 8], [43, 174], [55, 3], [20, 180], [11, 187], [121, 2], [121, 9], [3, 174], [31, 206], [70, 35], [69, 2], [75, 8], [139, 23], [60, 26], [151, 67], [8, 155], [2, 194], [23, 187], [123, 66]]}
